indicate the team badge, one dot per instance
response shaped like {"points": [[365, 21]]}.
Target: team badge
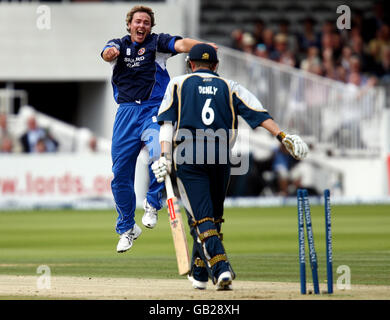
{"points": [[141, 51], [205, 56]]}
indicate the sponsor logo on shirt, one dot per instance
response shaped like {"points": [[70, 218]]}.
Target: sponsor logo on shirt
{"points": [[131, 62]]}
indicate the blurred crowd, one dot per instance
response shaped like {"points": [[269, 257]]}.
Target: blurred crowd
{"points": [[34, 139], [278, 174], [359, 55]]}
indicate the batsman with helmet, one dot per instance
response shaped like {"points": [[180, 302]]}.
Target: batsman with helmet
{"points": [[199, 115]]}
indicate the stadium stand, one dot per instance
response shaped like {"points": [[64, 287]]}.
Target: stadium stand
{"points": [[70, 138], [301, 100], [269, 11]]}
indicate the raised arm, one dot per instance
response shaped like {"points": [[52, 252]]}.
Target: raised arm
{"points": [[185, 45]]}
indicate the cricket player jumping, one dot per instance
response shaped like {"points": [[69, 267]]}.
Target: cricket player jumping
{"points": [[139, 81]]}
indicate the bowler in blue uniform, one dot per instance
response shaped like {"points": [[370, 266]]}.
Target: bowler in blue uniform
{"points": [[139, 81], [199, 115]]}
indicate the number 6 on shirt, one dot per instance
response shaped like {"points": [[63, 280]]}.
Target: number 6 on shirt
{"points": [[207, 113]]}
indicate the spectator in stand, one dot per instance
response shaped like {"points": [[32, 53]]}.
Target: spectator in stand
{"points": [[382, 39], [355, 78], [236, 37], [354, 32], [5, 134], [92, 144], [327, 43], [308, 37], [258, 31], [40, 146], [328, 28], [345, 59], [341, 73], [367, 61], [261, 51], [3, 125], [34, 134], [374, 23], [357, 26], [317, 69], [268, 38], [292, 43], [30, 138], [383, 69], [337, 45], [288, 59], [355, 68], [248, 43], [51, 144], [281, 53], [329, 69], [6, 145], [312, 57], [360, 81]]}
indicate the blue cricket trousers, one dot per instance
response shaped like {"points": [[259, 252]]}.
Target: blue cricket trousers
{"points": [[203, 190], [135, 126]]}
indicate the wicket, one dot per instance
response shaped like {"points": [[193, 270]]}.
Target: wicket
{"points": [[304, 217]]}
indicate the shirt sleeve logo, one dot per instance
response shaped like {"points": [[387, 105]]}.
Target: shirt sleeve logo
{"points": [[141, 51]]}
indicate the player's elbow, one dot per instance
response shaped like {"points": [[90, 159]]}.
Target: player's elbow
{"points": [[184, 45], [179, 46]]}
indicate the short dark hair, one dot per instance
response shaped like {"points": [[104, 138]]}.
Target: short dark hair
{"points": [[204, 64], [135, 9]]}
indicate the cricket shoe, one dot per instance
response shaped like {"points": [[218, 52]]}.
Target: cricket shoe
{"points": [[126, 239], [196, 284], [150, 217], [224, 281]]}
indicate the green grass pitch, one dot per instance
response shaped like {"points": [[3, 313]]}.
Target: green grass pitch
{"points": [[262, 244]]}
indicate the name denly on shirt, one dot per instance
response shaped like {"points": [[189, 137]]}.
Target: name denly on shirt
{"points": [[207, 90], [134, 62]]}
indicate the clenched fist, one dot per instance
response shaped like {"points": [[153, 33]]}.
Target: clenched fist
{"points": [[110, 54]]}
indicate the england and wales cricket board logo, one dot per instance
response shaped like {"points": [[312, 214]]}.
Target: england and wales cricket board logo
{"points": [[174, 223], [141, 51]]}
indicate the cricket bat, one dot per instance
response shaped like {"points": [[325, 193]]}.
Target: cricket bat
{"points": [[178, 230]]}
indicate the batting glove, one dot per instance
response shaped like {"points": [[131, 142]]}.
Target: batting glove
{"points": [[161, 168], [294, 145]]}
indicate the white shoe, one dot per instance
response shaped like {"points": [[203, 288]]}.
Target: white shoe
{"points": [[196, 284], [126, 239], [224, 281], [149, 219]]}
